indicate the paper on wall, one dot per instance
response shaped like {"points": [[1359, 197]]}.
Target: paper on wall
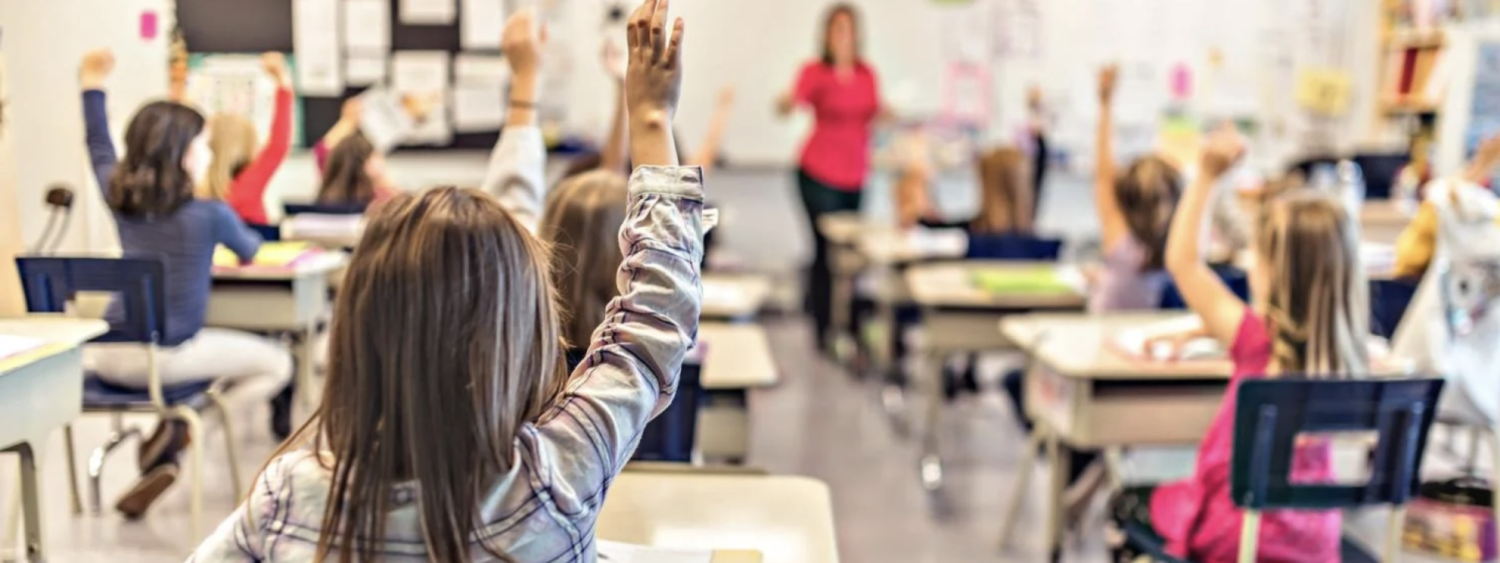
{"points": [[478, 107], [364, 70], [428, 12], [367, 26], [481, 24], [315, 43], [424, 73], [471, 68]]}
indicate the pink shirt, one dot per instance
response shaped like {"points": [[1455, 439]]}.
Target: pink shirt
{"points": [[1197, 517], [838, 152]]}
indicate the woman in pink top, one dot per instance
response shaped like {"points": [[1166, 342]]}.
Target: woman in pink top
{"points": [[1309, 317], [843, 94]]}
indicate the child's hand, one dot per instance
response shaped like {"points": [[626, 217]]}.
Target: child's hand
{"points": [[726, 97], [96, 68], [1108, 77], [1488, 154], [275, 65], [653, 79], [1221, 151], [417, 106], [522, 43]]}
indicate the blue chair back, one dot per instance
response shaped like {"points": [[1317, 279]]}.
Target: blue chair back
{"points": [[671, 436], [1381, 171], [1388, 302], [1013, 247], [1271, 414], [291, 209], [1235, 278], [138, 285], [268, 233]]}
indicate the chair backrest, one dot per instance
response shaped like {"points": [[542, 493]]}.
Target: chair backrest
{"points": [[1389, 300], [671, 436], [291, 209], [1013, 247], [1380, 171], [1235, 278], [268, 233], [138, 285], [1271, 414]]}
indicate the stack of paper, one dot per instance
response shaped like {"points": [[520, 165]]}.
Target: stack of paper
{"points": [[1147, 342], [13, 345], [319, 226], [271, 255]]}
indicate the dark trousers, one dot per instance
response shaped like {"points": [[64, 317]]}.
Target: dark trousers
{"points": [[818, 199], [1038, 175]]}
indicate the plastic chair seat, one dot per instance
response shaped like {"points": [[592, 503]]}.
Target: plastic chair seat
{"points": [[1146, 541], [101, 395]]}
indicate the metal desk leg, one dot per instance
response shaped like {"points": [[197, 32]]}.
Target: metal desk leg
{"points": [[1023, 482], [305, 368], [1058, 463], [31, 509], [932, 461]]}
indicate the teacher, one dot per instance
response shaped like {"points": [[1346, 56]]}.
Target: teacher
{"points": [[842, 92]]}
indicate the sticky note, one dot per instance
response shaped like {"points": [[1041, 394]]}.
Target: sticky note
{"points": [[148, 25], [1325, 91]]}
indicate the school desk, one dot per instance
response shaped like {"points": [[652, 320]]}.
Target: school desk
{"points": [[961, 303], [1082, 392], [41, 390], [734, 297], [1382, 220], [784, 519], [736, 358], [291, 299], [842, 230]]}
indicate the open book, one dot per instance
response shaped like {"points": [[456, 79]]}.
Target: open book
{"points": [[1146, 342], [16, 345], [270, 255]]}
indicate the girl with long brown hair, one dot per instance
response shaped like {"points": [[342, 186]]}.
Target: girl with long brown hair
{"points": [[1308, 316], [581, 222], [449, 430], [355, 175]]}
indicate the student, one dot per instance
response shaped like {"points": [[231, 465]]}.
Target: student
{"points": [[1007, 194], [150, 194], [241, 168], [1308, 316], [356, 174], [581, 222], [450, 431], [1415, 247]]}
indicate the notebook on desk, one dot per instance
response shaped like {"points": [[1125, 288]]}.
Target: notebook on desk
{"points": [[1037, 280], [272, 255], [617, 552]]}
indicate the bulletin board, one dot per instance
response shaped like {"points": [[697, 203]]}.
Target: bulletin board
{"points": [[240, 26]]}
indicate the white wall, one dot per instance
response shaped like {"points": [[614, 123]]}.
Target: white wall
{"points": [[43, 41]]}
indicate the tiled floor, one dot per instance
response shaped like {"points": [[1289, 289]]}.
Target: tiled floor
{"points": [[819, 421]]}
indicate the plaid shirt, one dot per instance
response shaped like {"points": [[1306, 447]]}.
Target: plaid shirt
{"points": [[545, 508]]}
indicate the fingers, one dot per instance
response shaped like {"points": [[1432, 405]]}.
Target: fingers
{"points": [[658, 29], [673, 48], [636, 32]]}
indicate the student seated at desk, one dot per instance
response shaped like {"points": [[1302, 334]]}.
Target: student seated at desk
{"points": [[356, 174], [151, 196], [1308, 317], [241, 168], [449, 430], [1417, 243]]}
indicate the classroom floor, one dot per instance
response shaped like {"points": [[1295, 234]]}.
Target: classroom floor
{"points": [[819, 422]]}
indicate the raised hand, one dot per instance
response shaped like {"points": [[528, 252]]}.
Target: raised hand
{"points": [[1222, 150], [96, 68], [1108, 77], [522, 43], [653, 78], [275, 65], [726, 97]]}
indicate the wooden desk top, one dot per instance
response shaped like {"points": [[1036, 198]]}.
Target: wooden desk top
{"points": [[324, 262], [1384, 213], [738, 356], [60, 334], [1080, 346], [894, 246], [786, 519], [841, 228], [951, 284], [734, 296]]}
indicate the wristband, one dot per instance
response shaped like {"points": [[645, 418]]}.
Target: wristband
{"points": [[522, 104]]}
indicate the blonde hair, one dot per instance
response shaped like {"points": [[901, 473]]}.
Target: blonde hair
{"points": [[234, 142], [1318, 308], [444, 344], [582, 222], [1147, 194], [1005, 196]]}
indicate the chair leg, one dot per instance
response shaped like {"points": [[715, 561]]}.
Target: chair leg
{"points": [[1250, 536], [1023, 479], [96, 464], [195, 476], [229, 447], [1393, 535], [1495, 472], [73, 494]]}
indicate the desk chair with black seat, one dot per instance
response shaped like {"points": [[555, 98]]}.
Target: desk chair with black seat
{"points": [[1271, 415], [1236, 279], [138, 285]]}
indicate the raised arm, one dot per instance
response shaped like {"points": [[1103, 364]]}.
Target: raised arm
{"points": [[707, 152], [517, 170], [348, 124], [241, 538], [92, 74], [631, 369], [1202, 289], [248, 194], [1112, 226], [800, 94]]}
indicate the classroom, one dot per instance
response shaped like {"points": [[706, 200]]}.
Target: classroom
{"points": [[750, 281]]}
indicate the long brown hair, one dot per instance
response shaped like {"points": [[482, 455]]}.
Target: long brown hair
{"points": [[834, 12], [582, 222], [1147, 194], [235, 143], [1318, 308], [1005, 194], [444, 343], [151, 182], [345, 179]]}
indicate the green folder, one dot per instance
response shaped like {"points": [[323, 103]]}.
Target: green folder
{"points": [[1040, 280]]}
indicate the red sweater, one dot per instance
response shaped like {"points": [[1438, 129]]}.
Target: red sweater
{"points": [[247, 192]]}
